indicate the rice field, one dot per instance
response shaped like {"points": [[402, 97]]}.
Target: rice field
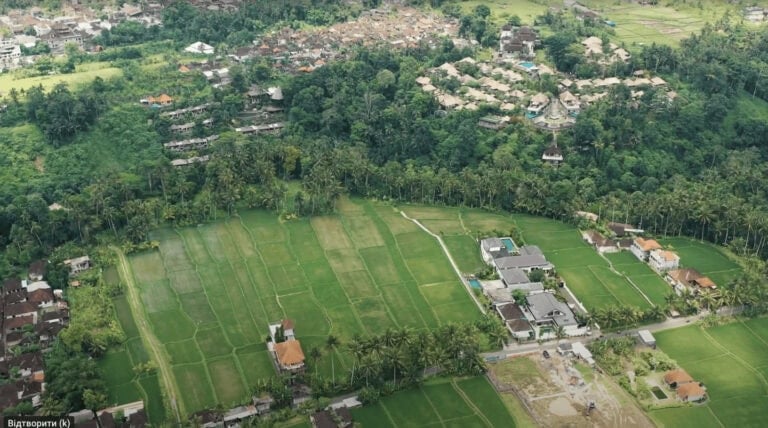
{"points": [[448, 403], [124, 385], [210, 291], [732, 362]]}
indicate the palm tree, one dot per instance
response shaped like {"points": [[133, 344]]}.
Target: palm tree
{"points": [[560, 332], [331, 343], [315, 354]]}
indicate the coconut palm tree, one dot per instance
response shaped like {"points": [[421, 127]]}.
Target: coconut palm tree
{"points": [[315, 355], [331, 343]]}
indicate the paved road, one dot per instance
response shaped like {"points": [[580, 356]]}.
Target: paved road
{"points": [[526, 348]]}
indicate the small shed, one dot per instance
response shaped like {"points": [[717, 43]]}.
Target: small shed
{"points": [[647, 338]]}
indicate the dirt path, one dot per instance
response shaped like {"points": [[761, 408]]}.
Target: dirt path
{"points": [[148, 338], [450, 259], [610, 265]]}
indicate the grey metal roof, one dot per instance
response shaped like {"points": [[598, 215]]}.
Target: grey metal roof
{"points": [[514, 276], [530, 250], [545, 306], [489, 243], [522, 262], [528, 287]]}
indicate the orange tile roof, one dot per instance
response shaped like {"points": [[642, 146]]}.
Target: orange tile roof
{"points": [[184, 69], [692, 389], [647, 244], [678, 376], [684, 275], [668, 255], [289, 353], [38, 377], [705, 282]]}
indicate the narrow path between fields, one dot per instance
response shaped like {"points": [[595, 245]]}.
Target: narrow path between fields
{"points": [[148, 338], [450, 259], [610, 265]]}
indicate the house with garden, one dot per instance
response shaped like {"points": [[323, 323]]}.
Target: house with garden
{"points": [[691, 280], [285, 349], [548, 315], [77, 264], [663, 260], [515, 321]]}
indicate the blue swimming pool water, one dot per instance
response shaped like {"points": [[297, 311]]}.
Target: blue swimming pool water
{"points": [[527, 64], [511, 248], [474, 283]]}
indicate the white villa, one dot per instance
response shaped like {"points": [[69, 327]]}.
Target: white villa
{"points": [[662, 260]]}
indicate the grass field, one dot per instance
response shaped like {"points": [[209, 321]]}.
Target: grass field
{"points": [[665, 23], [502, 10], [586, 273], [732, 361], [117, 365], [705, 258], [210, 291], [83, 74], [447, 403]]}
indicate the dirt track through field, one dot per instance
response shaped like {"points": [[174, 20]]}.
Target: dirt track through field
{"points": [[148, 338]]}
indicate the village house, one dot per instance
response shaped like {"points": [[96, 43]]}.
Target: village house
{"points": [[518, 42], [190, 144], [183, 128], [162, 100], [663, 260], [526, 263], [10, 55], [194, 111], [286, 350], [552, 154], [570, 102], [600, 242], [199, 48], [271, 128], [515, 321], [548, 314], [77, 264], [60, 36], [689, 279], [339, 417], [642, 248], [691, 392], [677, 377], [190, 161], [537, 104], [37, 270], [493, 248], [493, 122], [623, 229], [517, 279]]}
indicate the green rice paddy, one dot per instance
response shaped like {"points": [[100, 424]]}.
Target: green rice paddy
{"points": [[210, 292], [732, 362], [123, 383], [448, 403]]}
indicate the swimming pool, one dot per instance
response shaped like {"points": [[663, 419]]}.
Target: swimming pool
{"points": [[527, 64], [474, 283], [510, 244]]}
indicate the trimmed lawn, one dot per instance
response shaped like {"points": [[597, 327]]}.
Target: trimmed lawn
{"points": [[466, 252]]}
